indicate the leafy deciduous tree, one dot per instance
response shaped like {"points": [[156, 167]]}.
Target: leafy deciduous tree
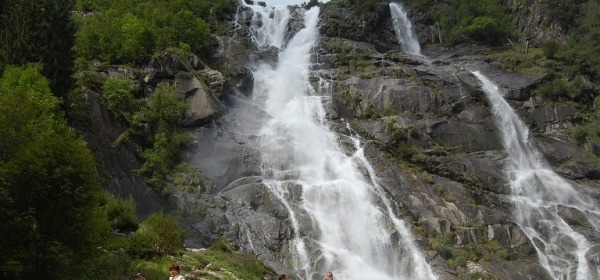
{"points": [[48, 184]]}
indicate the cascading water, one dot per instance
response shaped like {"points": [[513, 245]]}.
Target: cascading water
{"points": [[403, 28], [542, 198], [349, 226]]}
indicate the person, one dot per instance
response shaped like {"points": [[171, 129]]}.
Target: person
{"points": [[174, 271], [139, 276], [283, 277], [328, 275]]}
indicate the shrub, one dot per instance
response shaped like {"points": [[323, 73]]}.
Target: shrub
{"points": [[550, 49], [121, 214], [119, 96], [189, 179], [142, 246], [553, 90], [138, 40], [108, 265], [484, 29], [162, 232]]}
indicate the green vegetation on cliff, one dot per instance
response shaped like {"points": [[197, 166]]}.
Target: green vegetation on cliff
{"points": [[131, 31]]}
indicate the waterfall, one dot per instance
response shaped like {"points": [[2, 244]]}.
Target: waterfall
{"points": [[544, 201], [343, 222], [269, 25], [403, 28]]}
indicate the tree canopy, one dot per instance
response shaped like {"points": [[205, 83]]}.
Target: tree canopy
{"points": [[39, 31], [49, 191]]}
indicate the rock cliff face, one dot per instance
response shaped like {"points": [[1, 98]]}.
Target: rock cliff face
{"points": [[429, 132], [118, 161]]}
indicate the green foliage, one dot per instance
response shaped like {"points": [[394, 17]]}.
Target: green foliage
{"points": [[550, 49], [164, 113], [165, 106], [109, 265], [577, 89], [311, 3], [223, 9], [121, 214], [400, 147], [554, 90], [142, 246], [190, 30], [223, 265], [565, 12], [484, 21], [137, 41], [457, 256], [587, 39], [363, 6], [240, 264], [483, 29], [49, 188], [588, 131], [39, 31], [130, 31], [162, 233], [119, 96], [190, 179]]}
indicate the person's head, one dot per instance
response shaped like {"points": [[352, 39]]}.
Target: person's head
{"points": [[329, 274], [174, 269], [283, 277], [139, 276]]}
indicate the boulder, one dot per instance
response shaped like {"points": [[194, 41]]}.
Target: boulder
{"points": [[203, 106]]}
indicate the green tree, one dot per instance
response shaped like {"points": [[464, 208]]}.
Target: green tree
{"points": [[191, 30], [485, 21], [49, 190], [119, 96], [162, 232], [39, 31], [138, 41], [163, 115], [121, 213]]}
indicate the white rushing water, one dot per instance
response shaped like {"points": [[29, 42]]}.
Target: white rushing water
{"points": [[349, 226], [403, 28], [543, 200]]}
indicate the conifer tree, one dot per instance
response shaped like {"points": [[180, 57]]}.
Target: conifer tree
{"points": [[39, 31]]}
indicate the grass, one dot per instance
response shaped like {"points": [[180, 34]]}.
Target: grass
{"points": [[216, 262]]}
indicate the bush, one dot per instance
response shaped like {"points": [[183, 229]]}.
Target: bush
{"points": [[583, 133], [165, 113], [108, 265], [162, 233], [550, 49], [121, 214], [484, 21], [142, 246], [484, 29], [554, 90], [138, 40], [130, 31], [119, 96], [165, 106]]}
